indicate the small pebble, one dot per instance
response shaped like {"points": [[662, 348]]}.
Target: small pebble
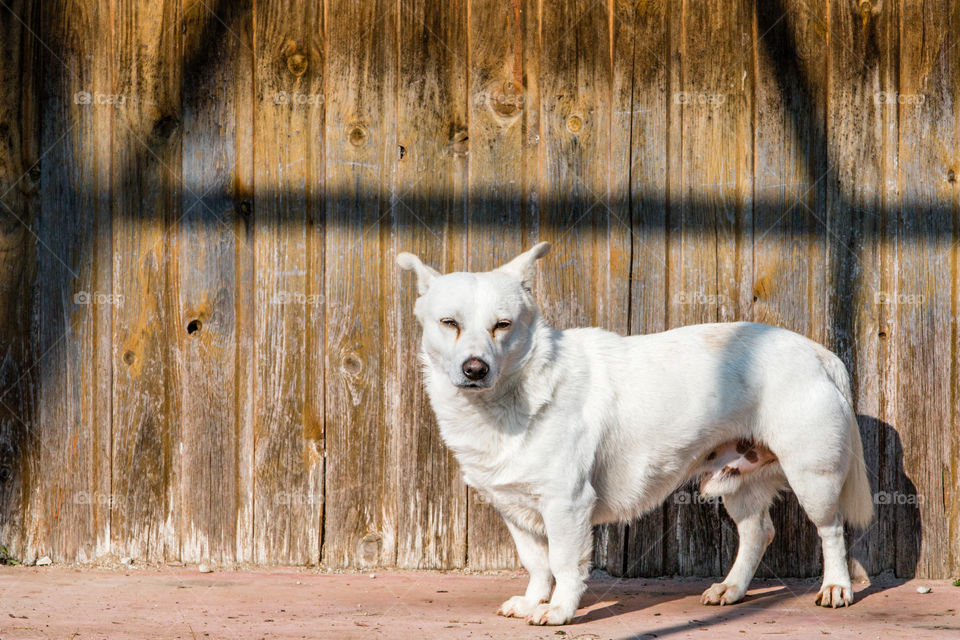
{"points": [[127, 560], [205, 568], [44, 561], [298, 582], [924, 589], [372, 576]]}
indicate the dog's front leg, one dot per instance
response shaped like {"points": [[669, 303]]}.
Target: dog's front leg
{"points": [[570, 541], [532, 550]]}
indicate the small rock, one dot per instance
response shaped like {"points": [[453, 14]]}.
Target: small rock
{"points": [[924, 589], [205, 568], [44, 561], [298, 582], [127, 560], [372, 576]]}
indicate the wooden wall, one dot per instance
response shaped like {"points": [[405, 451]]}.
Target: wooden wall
{"points": [[206, 352]]}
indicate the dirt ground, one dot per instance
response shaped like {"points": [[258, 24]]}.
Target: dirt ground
{"points": [[135, 603]]}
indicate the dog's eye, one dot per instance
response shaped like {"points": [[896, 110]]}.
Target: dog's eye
{"points": [[449, 322], [502, 324]]}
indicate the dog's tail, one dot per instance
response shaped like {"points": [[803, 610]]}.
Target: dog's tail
{"points": [[856, 499]]}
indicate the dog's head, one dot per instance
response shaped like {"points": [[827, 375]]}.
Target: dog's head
{"points": [[477, 326]]}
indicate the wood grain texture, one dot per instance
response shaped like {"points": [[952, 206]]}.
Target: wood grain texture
{"points": [[146, 177], [861, 155], [922, 307], [19, 201], [288, 181], [205, 245], [638, 170], [69, 510], [504, 175], [790, 195], [428, 219], [360, 520]]}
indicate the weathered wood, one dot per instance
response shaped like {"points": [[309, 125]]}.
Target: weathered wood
{"points": [[861, 155], [504, 133], [145, 519], [638, 170], [432, 134], [790, 194], [923, 307], [206, 249], [19, 183], [68, 511], [360, 519], [288, 179]]}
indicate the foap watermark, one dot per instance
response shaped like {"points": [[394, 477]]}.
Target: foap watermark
{"points": [[694, 497], [699, 298], [504, 98], [297, 99], [897, 498], [99, 99], [895, 98], [297, 297], [98, 298], [899, 299], [699, 98], [112, 500]]}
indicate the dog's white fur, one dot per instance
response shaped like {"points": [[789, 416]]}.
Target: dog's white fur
{"points": [[574, 428]]}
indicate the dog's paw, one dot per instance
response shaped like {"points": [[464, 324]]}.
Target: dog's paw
{"points": [[720, 593], [546, 614], [833, 596], [517, 607]]}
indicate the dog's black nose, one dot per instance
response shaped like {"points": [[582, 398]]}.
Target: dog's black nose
{"points": [[475, 369]]}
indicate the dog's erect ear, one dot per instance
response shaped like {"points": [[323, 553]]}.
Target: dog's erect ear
{"points": [[425, 274], [522, 265]]}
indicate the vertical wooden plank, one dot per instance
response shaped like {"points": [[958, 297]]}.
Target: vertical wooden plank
{"points": [[861, 155], [360, 516], [245, 292], [206, 249], [19, 183], [921, 307], [504, 134], [68, 510], [428, 219], [288, 177], [145, 519], [638, 174], [710, 267], [790, 198]]}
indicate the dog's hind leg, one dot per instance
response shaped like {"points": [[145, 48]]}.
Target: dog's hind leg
{"points": [[749, 507], [534, 556]]}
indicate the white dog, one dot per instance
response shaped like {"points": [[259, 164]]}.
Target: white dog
{"points": [[563, 430]]}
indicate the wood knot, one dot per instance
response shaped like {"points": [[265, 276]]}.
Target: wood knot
{"points": [[951, 176], [357, 134], [505, 98], [129, 357], [352, 365], [297, 64], [460, 143], [575, 124], [164, 128], [244, 208], [402, 151], [194, 326]]}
